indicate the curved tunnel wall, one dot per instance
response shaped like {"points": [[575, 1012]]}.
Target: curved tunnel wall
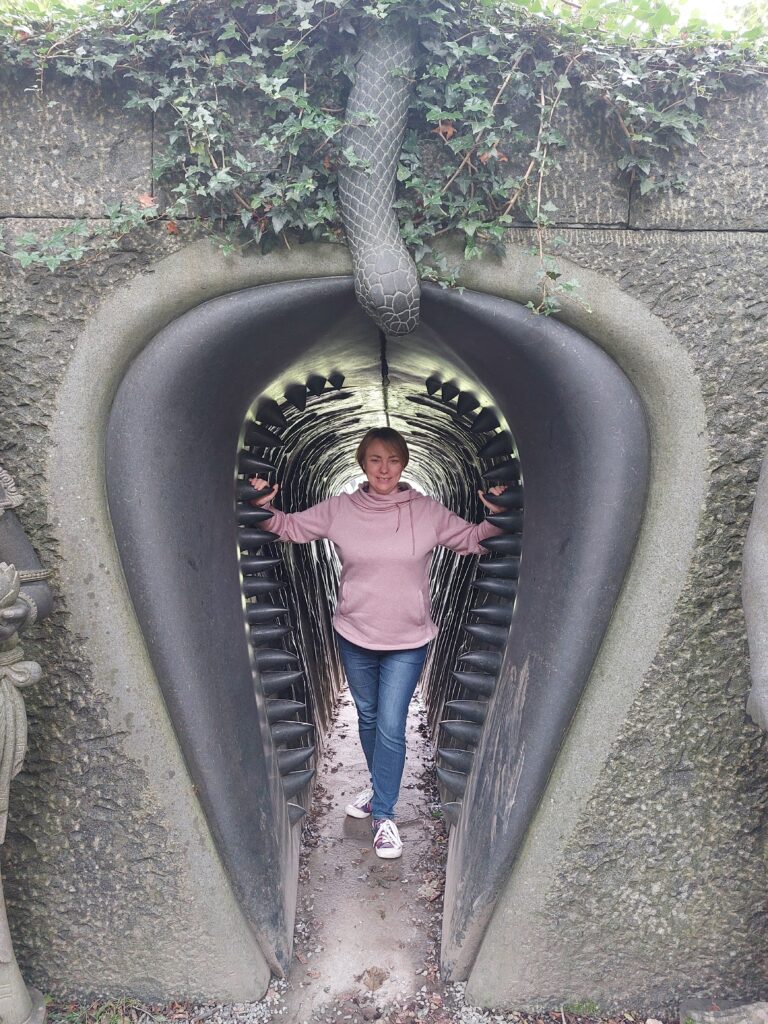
{"points": [[175, 427]]}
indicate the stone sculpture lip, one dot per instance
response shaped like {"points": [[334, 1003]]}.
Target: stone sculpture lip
{"points": [[152, 536]]}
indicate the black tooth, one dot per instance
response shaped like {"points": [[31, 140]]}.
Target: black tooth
{"points": [[506, 589], [268, 634], [457, 760], [315, 384], [250, 540], [251, 516], [290, 760], [451, 811], [258, 586], [506, 471], [433, 385], [508, 521], [249, 465], [294, 782], [272, 657], [496, 636], [485, 420], [454, 782], [263, 612], [486, 661], [508, 545], [295, 813], [499, 444], [247, 493], [273, 683], [269, 412], [511, 498], [469, 710], [505, 568], [496, 614], [296, 394], [290, 732], [336, 380], [448, 391], [464, 732], [466, 403], [476, 682], [258, 563], [258, 437], [279, 710]]}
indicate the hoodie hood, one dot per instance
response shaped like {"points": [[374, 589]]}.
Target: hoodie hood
{"points": [[393, 503]]}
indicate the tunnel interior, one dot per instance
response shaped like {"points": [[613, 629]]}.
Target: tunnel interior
{"points": [[283, 380]]}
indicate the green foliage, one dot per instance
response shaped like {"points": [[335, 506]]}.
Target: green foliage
{"points": [[249, 96]]}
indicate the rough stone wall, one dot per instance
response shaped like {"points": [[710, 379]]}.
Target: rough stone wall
{"points": [[92, 866], [662, 889]]}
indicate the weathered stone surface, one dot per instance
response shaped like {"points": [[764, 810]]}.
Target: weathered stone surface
{"points": [[725, 181], [69, 151], [585, 184], [658, 892], [749, 1013], [107, 892]]}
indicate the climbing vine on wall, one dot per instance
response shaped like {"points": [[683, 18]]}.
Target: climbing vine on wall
{"points": [[248, 100]]}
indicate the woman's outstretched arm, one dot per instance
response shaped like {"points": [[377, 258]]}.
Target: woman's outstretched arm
{"points": [[457, 534], [299, 527]]}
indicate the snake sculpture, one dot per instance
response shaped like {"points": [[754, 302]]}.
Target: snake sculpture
{"points": [[386, 280]]}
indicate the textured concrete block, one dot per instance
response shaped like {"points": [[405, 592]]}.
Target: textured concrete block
{"points": [[726, 183], [69, 150]]}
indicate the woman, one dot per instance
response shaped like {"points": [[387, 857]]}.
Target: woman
{"points": [[384, 534]]}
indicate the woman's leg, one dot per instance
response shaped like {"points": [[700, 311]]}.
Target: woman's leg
{"points": [[398, 675], [361, 668]]}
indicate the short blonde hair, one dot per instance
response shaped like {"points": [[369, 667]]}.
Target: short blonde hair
{"points": [[388, 436]]}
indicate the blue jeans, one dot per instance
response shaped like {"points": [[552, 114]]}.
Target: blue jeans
{"points": [[382, 684]]}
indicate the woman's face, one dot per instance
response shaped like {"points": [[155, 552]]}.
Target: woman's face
{"points": [[383, 468]]}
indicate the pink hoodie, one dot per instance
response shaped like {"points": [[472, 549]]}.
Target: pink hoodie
{"points": [[384, 543]]}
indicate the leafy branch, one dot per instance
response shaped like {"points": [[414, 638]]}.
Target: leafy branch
{"points": [[248, 100]]}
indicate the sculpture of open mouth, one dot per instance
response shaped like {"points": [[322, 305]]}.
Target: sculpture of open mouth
{"points": [[239, 631]]}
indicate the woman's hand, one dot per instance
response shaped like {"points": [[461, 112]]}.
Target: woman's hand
{"points": [[259, 484], [498, 489]]}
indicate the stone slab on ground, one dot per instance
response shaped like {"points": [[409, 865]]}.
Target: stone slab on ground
{"points": [[722, 1011]]}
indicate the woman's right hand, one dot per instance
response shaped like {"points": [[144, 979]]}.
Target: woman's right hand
{"points": [[259, 484]]}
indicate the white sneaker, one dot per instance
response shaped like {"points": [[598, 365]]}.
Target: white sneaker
{"points": [[386, 841], [361, 805]]}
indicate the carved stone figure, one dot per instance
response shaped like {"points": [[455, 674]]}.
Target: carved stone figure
{"points": [[24, 595], [386, 280], [754, 597]]}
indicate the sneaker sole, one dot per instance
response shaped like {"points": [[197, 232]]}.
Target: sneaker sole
{"points": [[388, 854], [356, 812]]}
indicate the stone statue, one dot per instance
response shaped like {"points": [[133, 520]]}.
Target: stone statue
{"points": [[754, 596], [24, 595]]}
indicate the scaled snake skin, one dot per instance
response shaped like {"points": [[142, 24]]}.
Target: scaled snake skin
{"points": [[386, 281]]}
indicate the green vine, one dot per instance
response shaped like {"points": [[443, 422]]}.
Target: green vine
{"points": [[249, 97]]}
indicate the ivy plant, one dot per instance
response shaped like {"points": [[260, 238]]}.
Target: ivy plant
{"points": [[248, 99]]}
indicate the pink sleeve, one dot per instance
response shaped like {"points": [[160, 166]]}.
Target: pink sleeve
{"points": [[457, 534], [301, 527]]}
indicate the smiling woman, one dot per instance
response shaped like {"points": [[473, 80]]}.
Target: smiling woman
{"points": [[382, 622]]}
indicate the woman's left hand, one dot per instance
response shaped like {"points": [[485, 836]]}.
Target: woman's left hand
{"points": [[498, 489]]}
